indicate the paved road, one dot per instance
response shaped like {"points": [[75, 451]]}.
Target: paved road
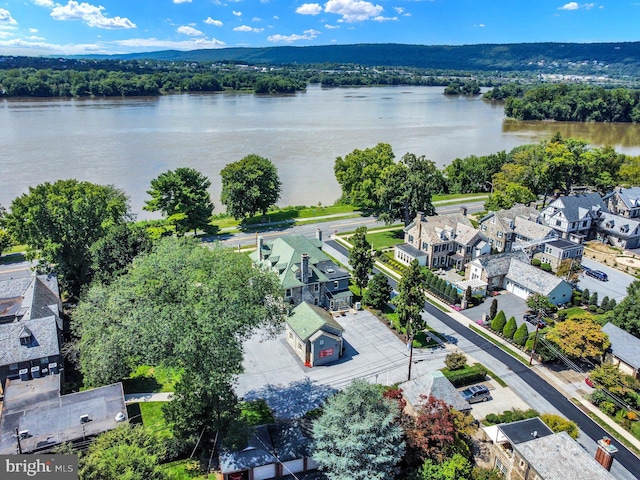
{"points": [[522, 375], [616, 287]]}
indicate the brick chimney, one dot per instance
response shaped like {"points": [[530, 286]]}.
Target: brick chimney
{"points": [[304, 268], [605, 452]]}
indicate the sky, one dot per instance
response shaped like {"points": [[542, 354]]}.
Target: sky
{"points": [[71, 27]]}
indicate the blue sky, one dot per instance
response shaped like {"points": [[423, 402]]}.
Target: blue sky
{"points": [[67, 27]]}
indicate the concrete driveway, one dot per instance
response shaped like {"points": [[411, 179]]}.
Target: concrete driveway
{"points": [[512, 305], [373, 352], [616, 287]]}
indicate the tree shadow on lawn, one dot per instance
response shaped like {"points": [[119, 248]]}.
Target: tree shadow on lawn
{"points": [[293, 400], [141, 384], [10, 258]]}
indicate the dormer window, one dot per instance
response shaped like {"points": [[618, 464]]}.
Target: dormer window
{"points": [[26, 337]]}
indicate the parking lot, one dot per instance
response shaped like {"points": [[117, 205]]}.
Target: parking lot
{"points": [[615, 287]]}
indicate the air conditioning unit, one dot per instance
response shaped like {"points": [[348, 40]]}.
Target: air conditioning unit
{"points": [[24, 374], [53, 368], [23, 433], [84, 418], [35, 372]]}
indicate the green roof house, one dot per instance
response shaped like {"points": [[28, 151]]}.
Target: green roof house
{"points": [[314, 335], [306, 273]]}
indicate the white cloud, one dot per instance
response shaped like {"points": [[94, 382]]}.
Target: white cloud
{"points": [[33, 30], [237, 14], [569, 6], [191, 44], [211, 21], [44, 3], [6, 20], [190, 31], [353, 10], [399, 10], [381, 19], [256, 19], [181, 1], [588, 6], [331, 27], [35, 37], [276, 17], [309, 9], [89, 14], [480, 25], [247, 28], [308, 35]]}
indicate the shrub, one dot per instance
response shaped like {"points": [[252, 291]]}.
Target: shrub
{"points": [[608, 407], [586, 296], [493, 310], [498, 323], [633, 416], [509, 416], [545, 267], [594, 299], [593, 308], [521, 335], [510, 328], [466, 376], [599, 311], [536, 262], [455, 361], [559, 424], [598, 397], [562, 316]]}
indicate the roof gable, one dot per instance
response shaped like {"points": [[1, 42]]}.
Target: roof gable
{"points": [[307, 319], [623, 345]]}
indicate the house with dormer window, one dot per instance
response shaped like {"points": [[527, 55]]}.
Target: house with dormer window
{"points": [[574, 217], [306, 273], [624, 202]]}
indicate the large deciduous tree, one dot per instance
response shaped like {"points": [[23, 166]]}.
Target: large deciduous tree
{"points": [[359, 174], [183, 198], [185, 306], [407, 188], [60, 221], [249, 186], [378, 293], [360, 257], [579, 338], [411, 296], [626, 314], [358, 436]]}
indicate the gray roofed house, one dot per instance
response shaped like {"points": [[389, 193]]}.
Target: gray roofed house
{"points": [[624, 202], [618, 231], [272, 451], [36, 407], [558, 251], [501, 227], [493, 268], [574, 214], [528, 449], [624, 350], [434, 383]]}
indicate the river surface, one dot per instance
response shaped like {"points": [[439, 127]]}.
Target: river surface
{"points": [[128, 141]]}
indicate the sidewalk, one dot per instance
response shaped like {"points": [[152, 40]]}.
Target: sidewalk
{"points": [[148, 397]]}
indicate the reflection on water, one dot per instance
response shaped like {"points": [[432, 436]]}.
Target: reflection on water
{"points": [[624, 136]]}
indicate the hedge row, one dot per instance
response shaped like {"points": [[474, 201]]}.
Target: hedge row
{"points": [[469, 375]]}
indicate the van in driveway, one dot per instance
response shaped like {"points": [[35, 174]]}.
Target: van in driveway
{"points": [[475, 394]]}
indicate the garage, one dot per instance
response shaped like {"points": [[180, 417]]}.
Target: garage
{"points": [[293, 466], [517, 290], [264, 472]]}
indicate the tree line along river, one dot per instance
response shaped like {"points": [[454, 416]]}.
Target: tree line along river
{"points": [[128, 141]]}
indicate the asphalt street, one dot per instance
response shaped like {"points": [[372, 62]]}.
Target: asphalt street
{"points": [[627, 459]]}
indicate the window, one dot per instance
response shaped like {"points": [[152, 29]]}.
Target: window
{"points": [[287, 293], [316, 287], [336, 284], [499, 234], [500, 467], [13, 366], [483, 228], [425, 245], [44, 360], [290, 336], [410, 238], [584, 224], [299, 346], [435, 261], [321, 342], [558, 223]]}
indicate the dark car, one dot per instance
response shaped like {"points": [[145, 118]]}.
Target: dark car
{"points": [[533, 320], [477, 393], [597, 274]]}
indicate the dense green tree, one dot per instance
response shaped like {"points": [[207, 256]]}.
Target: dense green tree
{"points": [[510, 328], [60, 221], [593, 300], [411, 296], [473, 174], [378, 293], [129, 452], [5, 241], [579, 338], [406, 189], [493, 309], [455, 360], [185, 306], [521, 335], [586, 296], [508, 196], [182, 197], [358, 436], [114, 252], [498, 323], [455, 468], [250, 186], [537, 302], [359, 174], [626, 314], [360, 258]]}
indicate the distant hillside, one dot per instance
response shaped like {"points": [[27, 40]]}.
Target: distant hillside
{"points": [[580, 57]]}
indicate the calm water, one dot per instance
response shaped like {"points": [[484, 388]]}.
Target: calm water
{"points": [[127, 142]]}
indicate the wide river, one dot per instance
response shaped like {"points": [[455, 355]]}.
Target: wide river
{"points": [[127, 142]]}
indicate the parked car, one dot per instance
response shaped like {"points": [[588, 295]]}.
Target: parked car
{"points": [[477, 393], [533, 320], [597, 274]]}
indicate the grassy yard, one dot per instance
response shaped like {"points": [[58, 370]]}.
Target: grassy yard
{"points": [[386, 239], [577, 312], [451, 197], [153, 419], [148, 379], [184, 470]]}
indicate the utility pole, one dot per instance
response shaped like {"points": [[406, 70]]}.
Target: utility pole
{"points": [[410, 335], [535, 338]]}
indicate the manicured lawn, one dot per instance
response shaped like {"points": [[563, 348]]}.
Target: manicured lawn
{"points": [[386, 239], [285, 214], [183, 470], [577, 312], [153, 419], [457, 196], [151, 379]]}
